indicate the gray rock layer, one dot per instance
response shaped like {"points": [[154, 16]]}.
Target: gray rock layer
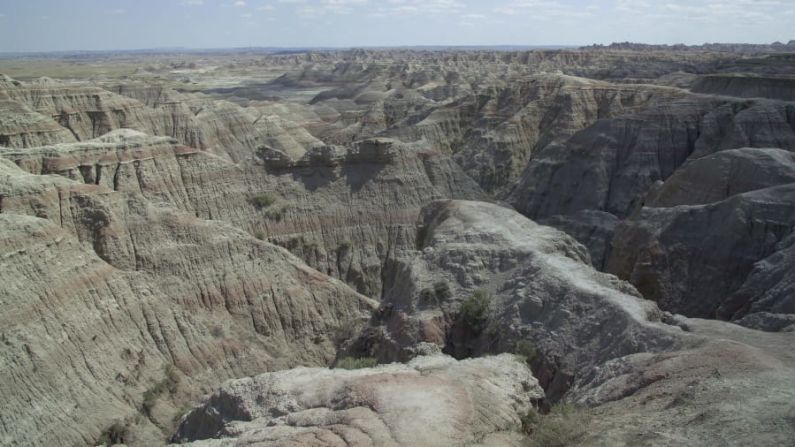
{"points": [[102, 289], [431, 401]]}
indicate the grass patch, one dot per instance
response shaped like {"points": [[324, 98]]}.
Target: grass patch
{"points": [[355, 363], [564, 425]]}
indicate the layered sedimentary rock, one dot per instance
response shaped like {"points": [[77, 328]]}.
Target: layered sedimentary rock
{"points": [[592, 228], [343, 210], [640, 374], [765, 300], [23, 127], [732, 388], [611, 165], [123, 304], [541, 287], [782, 88], [493, 127], [431, 401], [89, 111], [116, 307], [698, 239], [501, 127]]}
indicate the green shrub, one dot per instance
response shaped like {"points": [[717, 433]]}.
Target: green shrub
{"points": [[564, 425], [525, 349], [259, 234], [476, 311], [261, 200], [345, 245], [355, 363]]}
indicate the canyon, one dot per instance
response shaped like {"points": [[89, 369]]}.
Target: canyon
{"points": [[399, 247]]}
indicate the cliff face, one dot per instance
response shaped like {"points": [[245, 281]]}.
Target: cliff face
{"points": [[108, 295], [89, 112], [344, 211], [704, 241], [611, 165], [488, 280], [497, 130], [747, 86]]}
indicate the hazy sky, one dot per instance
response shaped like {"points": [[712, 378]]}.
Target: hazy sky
{"points": [[41, 25]]}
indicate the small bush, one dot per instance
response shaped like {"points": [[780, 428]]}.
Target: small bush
{"points": [[442, 291], [345, 245], [525, 349], [476, 311], [217, 331], [261, 200], [565, 424], [117, 433], [276, 212], [530, 421], [355, 363], [259, 234], [169, 383], [427, 297]]}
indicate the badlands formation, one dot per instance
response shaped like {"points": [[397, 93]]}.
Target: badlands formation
{"points": [[400, 248]]}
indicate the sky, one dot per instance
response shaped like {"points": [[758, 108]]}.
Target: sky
{"points": [[59, 25]]}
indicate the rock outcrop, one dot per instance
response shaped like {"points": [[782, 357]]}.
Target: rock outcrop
{"points": [[611, 165], [541, 290], [431, 401], [641, 373], [110, 300], [89, 111], [744, 86], [695, 244], [343, 210]]}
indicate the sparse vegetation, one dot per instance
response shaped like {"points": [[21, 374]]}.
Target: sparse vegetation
{"points": [[476, 311], [525, 349], [117, 433], [355, 363], [169, 384], [427, 297], [442, 291], [276, 212], [261, 200], [564, 425], [217, 331], [259, 234], [345, 245]]}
